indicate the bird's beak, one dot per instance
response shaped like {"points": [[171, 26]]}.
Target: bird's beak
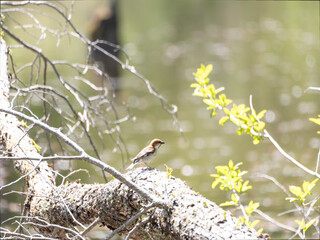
{"points": [[162, 142]]}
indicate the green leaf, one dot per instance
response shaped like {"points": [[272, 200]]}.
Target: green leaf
{"points": [[241, 220], [238, 164], [245, 186], [302, 224], [169, 171], [224, 101], [24, 124], [261, 114], [314, 181], [237, 122], [208, 102], [240, 131], [307, 186], [242, 109], [256, 140], [253, 206], [296, 190], [195, 85], [315, 120], [223, 120], [226, 111], [36, 145], [234, 198], [254, 223], [214, 184], [243, 173], [292, 199], [205, 81], [244, 117], [201, 76], [219, 90], [230, 164], [260, 230], [302, 193], [208, 69], [214, 175], [228, 203], [309, 224], [259, 126], [211, 90], [199, 93]]}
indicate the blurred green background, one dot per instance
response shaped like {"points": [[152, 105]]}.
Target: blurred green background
{"points": [[268, 49]]}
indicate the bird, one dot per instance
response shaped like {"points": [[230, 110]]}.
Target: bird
{"points": [[146, 154]]}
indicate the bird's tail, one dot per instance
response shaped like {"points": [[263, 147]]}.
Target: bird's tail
{"points": [[131, 166]]}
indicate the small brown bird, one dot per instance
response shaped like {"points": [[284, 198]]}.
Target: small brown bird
{"points": [[146, 154]]}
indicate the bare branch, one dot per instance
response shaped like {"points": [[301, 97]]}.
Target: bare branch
{"points": [[90, 227], [286, 155], [283, 226], [291, 159], [22, 177], [280, 186], [318, 161], [313, 88]]}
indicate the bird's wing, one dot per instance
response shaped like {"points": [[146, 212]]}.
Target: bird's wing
{"points": [[144, 153]]}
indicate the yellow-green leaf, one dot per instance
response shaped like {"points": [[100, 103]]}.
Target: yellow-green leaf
{"points": [[261, 114], [223, 120], [226, 111], [307, 186], [208, 102], [302, 224], [296, 190], [254, 223], [315, 120], [259, 126], [230, 164], [228, 203], [234, 198], [208, 69], [214, 184], [169, 171], [256, 141], [219, 90], [310, 224], [292, 199], [195, 85]]}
